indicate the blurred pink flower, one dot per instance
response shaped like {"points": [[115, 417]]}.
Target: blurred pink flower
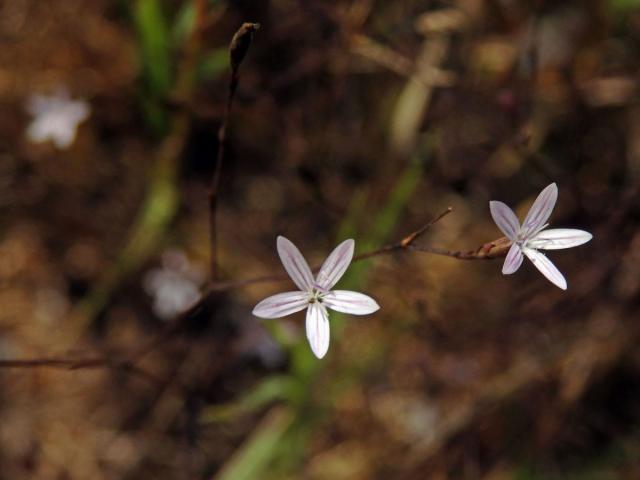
{"points": [[531, 236], [315, 295]]}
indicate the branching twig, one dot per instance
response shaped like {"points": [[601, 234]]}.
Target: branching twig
{"points": [[489, 250], [403, 244], [237, 50], [495, 249]]}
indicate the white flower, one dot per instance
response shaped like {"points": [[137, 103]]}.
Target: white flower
{"points": [[315, 294], [175, 286], [56, 118], [530, 237]]}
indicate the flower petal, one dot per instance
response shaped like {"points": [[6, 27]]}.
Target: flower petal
{"points": [[281, 305], [346, 301], [63, 137], [335, 265], [513, 261], [547, 268], [505, 219], [295, 264], [541, 210], [318, 329], [558, 238]]}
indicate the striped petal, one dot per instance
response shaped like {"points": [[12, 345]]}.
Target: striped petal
{"points": [[513, 261], [318, 329], [505, 219], [350, 302], [295, 264], [541, 210], [558, 238], [335, 265], [281, 305], [547, 268]]}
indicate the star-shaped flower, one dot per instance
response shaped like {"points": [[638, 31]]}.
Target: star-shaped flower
{"points": [[531, 236], [315, 294], [56, 118]]}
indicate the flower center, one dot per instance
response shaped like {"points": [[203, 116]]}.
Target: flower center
{"points": [[522, 239], [316, 295]]}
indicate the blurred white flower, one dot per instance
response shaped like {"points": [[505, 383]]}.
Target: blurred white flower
{"points": [[315, 295], [55, 117], [175, 286], [531, 236]]}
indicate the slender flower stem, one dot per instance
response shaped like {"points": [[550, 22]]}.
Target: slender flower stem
{"points": [[495, 249], [237, 50], [80, 363], [403, 244], [487, 251], [412, 237]]}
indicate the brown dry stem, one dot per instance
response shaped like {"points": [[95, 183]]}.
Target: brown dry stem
{"points": [[238, 48], [489, 250]]}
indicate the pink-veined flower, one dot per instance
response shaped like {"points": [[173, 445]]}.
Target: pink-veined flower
{"points": [[531, 236], [315, 294]]}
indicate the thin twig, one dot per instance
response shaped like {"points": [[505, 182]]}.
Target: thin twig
{"points": [[412, 237], [497, 248], [402, 244], [79, 364], [489, 250], [52, 362], [237, 50]]}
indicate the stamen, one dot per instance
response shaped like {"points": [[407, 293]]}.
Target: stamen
{"points": [[319, 288]]}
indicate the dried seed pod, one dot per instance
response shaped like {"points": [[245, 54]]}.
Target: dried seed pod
{"points": [[240, 43]]}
